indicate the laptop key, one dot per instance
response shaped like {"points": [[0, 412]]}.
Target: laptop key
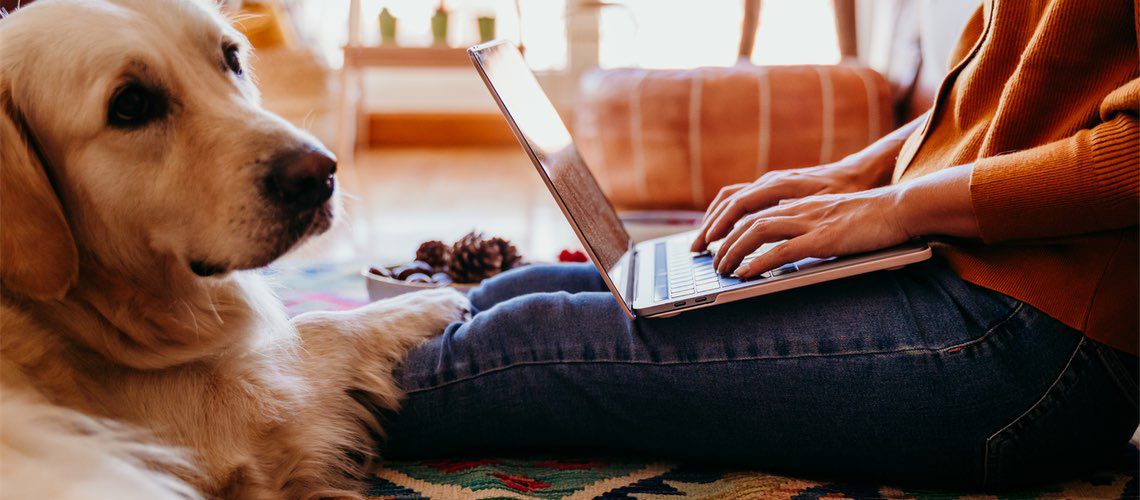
{"points": [[729, 280], [704, 287], [784, 269]]}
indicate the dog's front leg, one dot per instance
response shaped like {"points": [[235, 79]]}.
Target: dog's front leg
{"points": [[359, 348], [346, 359]]}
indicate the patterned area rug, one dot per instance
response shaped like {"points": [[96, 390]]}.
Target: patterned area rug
{"points": [[337, 287]]}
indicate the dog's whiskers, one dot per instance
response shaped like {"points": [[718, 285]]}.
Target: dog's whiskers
{"points": [[307, 120], [193, 318]]}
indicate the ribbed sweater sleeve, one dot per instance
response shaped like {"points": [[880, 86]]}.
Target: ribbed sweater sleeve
{"points": [[1085, 183]]}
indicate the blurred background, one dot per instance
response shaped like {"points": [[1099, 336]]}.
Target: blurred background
{"points": [[667, 99]]}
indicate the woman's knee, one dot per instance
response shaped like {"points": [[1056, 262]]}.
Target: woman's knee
{"points": [[534, 328], [543, 318], [535, 279]]}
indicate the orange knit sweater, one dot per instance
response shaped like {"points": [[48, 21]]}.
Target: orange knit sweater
{"points": [[1043, 98]]}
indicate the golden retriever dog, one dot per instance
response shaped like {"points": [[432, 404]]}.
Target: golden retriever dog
{"points": [[140, 357]]}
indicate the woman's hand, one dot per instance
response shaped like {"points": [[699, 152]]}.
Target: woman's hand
{"points": [[737, 200], [866, 169], [815, 226], [841, 224]]}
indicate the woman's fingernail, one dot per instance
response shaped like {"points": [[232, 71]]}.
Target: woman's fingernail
{"points": [[740, 271]]}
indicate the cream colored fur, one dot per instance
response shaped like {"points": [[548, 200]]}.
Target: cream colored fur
{"points": [[122, 373]]}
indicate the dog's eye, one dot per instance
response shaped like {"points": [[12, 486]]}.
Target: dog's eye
{"points": [[133, 105], [233, 62]]}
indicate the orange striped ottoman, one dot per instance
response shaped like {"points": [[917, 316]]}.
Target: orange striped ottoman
{"points": [[671, 138]]}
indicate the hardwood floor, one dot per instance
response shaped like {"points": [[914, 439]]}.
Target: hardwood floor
{"points": [[397, 198]]}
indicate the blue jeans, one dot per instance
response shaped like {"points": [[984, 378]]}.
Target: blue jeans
{"points": [[907, 376]]}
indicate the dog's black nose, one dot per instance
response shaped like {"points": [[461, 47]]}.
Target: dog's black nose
{"points": [[302, 178]]}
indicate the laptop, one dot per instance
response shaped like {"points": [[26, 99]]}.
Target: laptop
{"points": [[658, 277]]}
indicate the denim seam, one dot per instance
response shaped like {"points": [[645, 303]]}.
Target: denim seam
{"points": [[993, 329], [1044, 396], [668, 363]]}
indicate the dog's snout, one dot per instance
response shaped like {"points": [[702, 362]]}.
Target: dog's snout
{"points": [[303, 178]]}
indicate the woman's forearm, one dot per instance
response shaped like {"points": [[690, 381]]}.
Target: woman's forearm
{"points": [[938, 204], [875, 163]]}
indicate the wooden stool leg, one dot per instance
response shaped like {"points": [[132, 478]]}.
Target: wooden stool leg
{"points": [[748, 29]]}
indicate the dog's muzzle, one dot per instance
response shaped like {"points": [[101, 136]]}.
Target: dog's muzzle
{"points": [[301, 179], [298, 186]]}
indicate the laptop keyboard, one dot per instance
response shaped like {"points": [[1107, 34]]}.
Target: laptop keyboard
{"points": [[679, 273]]}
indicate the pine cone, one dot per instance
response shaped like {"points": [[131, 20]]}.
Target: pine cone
{"points": [[436, 253], [511, 257], [474, 259]]}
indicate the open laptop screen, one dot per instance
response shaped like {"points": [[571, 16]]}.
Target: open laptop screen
{"points": [[545, 135]]}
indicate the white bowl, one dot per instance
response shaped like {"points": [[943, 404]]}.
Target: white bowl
{"points": [[380, 287]]}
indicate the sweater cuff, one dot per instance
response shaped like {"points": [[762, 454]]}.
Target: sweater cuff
{"points": [[1085, 183]]}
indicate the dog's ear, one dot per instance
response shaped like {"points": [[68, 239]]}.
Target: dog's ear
{"points": [[38, 256]]}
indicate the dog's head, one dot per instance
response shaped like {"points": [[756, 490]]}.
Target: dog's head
{"points": [[130, 130]]}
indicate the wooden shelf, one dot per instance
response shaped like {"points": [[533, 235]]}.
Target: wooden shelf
{"points": [[406, 57]]}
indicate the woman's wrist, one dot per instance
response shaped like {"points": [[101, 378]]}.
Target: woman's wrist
{"points": [[873, 165], [937, 204], [867, 169]]}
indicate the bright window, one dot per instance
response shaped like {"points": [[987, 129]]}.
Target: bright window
{"points": [[796, 32], [669, 33], [691, 33], [544, 25], [638, 33], [543, 32]]}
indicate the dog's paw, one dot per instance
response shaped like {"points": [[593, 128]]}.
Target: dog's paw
{"points": [[440, 307]]}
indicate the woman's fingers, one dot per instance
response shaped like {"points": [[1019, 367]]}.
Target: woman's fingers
{"points": [[744, 226], [795, 249], [812, 227], [701, 242], [756, 233], [740, 229], [721, 218], [722, 223], [724, 193], [756, 197]]}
